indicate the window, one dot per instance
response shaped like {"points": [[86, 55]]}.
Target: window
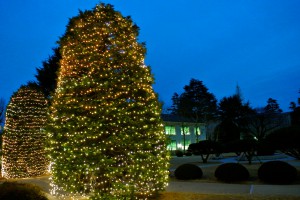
{"points": [[172, 145], [185, 130], [170, 130], [197, 131], [187, 143]]}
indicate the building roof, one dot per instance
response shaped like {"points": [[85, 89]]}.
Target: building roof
{"points": [[175, 118]]}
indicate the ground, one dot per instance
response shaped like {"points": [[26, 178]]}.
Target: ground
{"points": [[210, 167], [208, 177]]}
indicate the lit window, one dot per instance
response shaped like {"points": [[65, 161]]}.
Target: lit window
{"points": [[187, 143], [197, 131], [172, 145], [170, 130], [185, 130]]}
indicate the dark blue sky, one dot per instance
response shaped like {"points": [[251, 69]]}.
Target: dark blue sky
{"points": [[255, 44]]}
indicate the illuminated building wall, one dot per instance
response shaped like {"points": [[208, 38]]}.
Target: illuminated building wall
{"points": [[175, 129]]}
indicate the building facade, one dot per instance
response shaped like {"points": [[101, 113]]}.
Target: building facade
{"points": [[182, 132]]}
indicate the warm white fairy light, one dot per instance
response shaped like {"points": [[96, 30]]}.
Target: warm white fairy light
{"points": [[106, 136], [23, 140]]}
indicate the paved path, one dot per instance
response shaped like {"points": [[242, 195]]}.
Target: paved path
{"points": [[222, 188], [203, 188]]}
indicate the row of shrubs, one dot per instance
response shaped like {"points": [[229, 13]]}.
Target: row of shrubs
{"points": [[284, 140], [273, 172]]}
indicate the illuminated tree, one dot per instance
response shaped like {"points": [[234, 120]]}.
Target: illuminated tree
{"points": [[106, 134], [23, 139]]}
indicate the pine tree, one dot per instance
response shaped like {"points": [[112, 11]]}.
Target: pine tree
{"points": [[2, 114], [106, 133], [24, 140], [47, 75], [196, 103], [272, 107]]}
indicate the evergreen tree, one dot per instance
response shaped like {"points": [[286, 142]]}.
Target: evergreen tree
{"points": [[264, 120], [199, 103], [234, 116], [47, 75], [106, 134], [272, 107], [2, 113], [196, 103], [23, 139], [295, 115]]}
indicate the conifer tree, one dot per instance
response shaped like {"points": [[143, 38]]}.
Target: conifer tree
{"points": [[47, 74], [106, 134], [24, 139]]}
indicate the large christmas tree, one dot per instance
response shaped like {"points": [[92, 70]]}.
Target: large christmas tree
{"points": [[24, 139], [106, 133]]}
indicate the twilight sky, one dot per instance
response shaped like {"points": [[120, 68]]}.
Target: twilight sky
{"points": [[255, 44]]}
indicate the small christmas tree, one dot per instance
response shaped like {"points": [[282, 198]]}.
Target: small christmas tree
{"points": [[23, 140], [106, 134]]}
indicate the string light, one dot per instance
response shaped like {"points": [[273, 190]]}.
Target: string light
{"points": [[105, 133], [24, 140]]}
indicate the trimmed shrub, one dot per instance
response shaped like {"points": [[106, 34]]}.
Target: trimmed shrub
{"points": [[277, 172], [179, 153], [20, 191], [286, 140], [188, 171], [231, 172], [188, 153]]}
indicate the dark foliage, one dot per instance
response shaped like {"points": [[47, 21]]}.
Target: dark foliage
{"points": [[295, 115], [234, 116], [195, 102], [265, 148], [277, 172], [231, 172], [188, 171], [205, 148], [240, 146], [20, 191], [2, 112], [178, 153], [227, 131], [286, 140], [272, 106], [47, 75], [265, 120]]}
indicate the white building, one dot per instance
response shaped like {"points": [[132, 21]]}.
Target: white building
{"points": [[178, 128]]}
